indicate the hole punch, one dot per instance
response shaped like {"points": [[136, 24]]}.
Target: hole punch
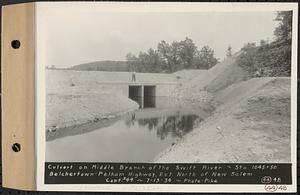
{"points": [[16, 147], [16, 44]]}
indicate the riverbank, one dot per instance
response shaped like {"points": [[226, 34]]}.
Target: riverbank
{"points": [[70, 110]]}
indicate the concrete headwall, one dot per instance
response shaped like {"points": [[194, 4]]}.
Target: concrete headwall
{"points": [[62, 81], [160, 89]]}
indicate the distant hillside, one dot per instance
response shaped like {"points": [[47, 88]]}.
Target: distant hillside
{"points": [[103, 66]]}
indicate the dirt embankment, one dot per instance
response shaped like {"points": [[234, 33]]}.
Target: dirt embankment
{"points": [[201, 85], [254, 127], [251, 122]]}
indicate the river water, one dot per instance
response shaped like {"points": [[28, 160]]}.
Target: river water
{"points": [[135, 137]]}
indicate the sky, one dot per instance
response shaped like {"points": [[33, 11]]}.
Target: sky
{"points": [[71, 35]]}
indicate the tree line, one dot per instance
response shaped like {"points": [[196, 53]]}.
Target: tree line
{"points": [[171, 57], [270, 58]]}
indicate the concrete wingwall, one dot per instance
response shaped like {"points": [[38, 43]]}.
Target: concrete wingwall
{"points": [[165, 90]]}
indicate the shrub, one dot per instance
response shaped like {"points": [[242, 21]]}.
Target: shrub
{"points": [[272, 60]]}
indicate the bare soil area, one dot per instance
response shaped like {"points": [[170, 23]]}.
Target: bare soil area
{"points": [[252, 124]]}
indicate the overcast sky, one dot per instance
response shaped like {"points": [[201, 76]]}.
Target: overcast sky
{"points": [[72, 36]]}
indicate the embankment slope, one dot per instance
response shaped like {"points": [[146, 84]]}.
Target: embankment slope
{"points": [[251, 125], [203, 84], [69, 109]]}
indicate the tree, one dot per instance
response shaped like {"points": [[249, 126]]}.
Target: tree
{"points": [[263, 42], [187, 52], [154, 60], [172, 57], [207, 58], [178, 55], [165, 51], [229, 51], [284, 31], [175, 60], [150, 61], [247, 57]]}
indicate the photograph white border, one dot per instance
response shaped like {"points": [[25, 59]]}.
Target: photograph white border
{"points": [[40, 7]]}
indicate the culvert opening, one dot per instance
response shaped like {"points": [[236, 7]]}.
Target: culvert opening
{"points": [[145, 96], [136, 94], [149, 96]]}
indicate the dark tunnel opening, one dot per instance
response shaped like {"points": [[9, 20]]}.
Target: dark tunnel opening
{"points": [[136, 94], [149, 96], [145, 96]]}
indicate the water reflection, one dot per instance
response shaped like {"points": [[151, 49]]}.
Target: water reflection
{"points": [[175, 125]]}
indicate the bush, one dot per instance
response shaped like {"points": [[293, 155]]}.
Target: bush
{"points": [[271, 60]]}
